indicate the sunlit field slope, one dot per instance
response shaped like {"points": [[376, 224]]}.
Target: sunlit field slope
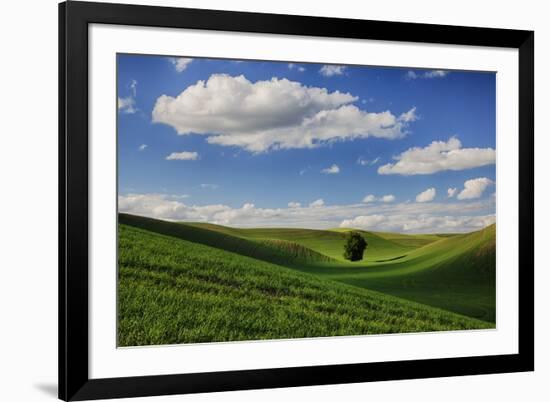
{"points": [[172, 290], [328, 242], [451, 271], [455, 273], [276, 250]]}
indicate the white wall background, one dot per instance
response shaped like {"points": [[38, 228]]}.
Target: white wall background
{"points": [[28, 200]]}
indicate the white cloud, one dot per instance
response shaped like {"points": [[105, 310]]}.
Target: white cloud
{"points": [[375, 160], [363, 222], [409, 116], [439, 156], [369, 198], [180, 63], [435, 74], [334, 169], [183, 156], [451, 192], [402, 217], [364, 162], [270, 115], [412, 75], [142, 147], [133, 87], [372, 198], [127, 105], [317, 203], [161, 206], [292, 66], [419, 223], [426, 195], [474, 188], [293, 204], [329, 70]]}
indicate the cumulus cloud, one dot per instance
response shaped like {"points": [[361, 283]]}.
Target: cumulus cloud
{"points": [[451, 192], [329, 70], [426, 195], [293, 204], [162, 206], [432, 217], [363, 222], [385, 198], [419, 223], [334, 169], [142, 147], [474, 188], [273, 114], [317, 203], [439, 156], [369, 198], [412, 75], [183, 156], [292, 66], [180, 63], [127, 105]]}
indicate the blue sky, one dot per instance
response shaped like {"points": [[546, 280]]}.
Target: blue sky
{"points": [[256, 143]]}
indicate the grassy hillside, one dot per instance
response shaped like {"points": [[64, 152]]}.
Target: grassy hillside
{"points": [[415, 241], [327, 242], [173, 291], [282, 252], [456, 273], [452, 272]]}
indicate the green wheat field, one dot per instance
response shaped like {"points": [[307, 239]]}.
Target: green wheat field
{"points": [[195, 282]]}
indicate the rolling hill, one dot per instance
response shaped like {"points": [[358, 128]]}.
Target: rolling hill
{"points": [[453, 272], [172, 290], [272, 250], [328, 242], [456, 273]]}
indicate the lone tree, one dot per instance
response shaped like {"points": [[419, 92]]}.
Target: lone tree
{"points": [[355, 246]]}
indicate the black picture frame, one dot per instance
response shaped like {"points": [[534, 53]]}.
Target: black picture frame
{"points": [[74, 381]]}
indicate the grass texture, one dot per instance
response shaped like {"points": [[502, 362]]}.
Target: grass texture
{"points": [[189, 283]]}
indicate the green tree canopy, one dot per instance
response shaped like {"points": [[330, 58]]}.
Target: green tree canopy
{"points": [[355, 246]]}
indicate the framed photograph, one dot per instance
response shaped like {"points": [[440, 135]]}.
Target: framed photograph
{"points": [[258, 201]]}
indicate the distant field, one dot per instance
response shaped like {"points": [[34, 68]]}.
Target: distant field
{"points": [[328, 242], [196, 282]]}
